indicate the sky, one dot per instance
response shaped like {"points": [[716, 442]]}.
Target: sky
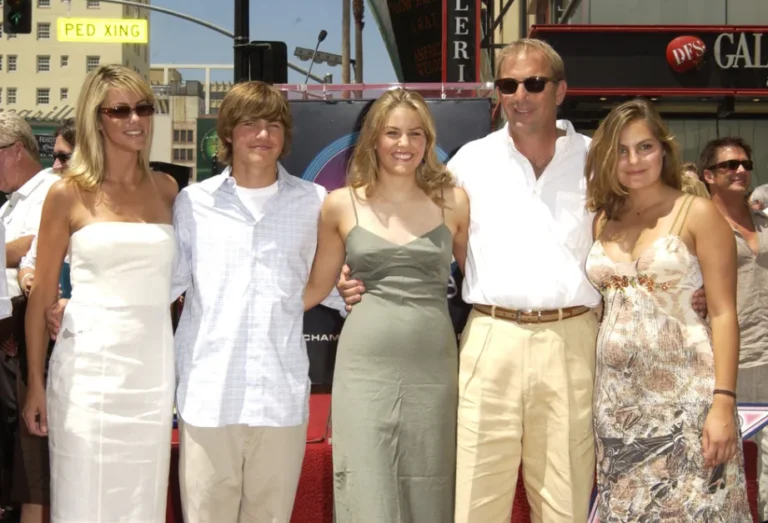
{"points": [[295, 22]]}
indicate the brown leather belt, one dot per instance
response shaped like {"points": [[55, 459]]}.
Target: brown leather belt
{"points": [[520, 316]]}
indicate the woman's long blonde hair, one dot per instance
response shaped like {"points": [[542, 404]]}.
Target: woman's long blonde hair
{"points": [[432, 176], [604, 192], [87, 166]]}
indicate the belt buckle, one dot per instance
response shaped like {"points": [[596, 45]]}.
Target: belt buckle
{"points": [[520, 312]]}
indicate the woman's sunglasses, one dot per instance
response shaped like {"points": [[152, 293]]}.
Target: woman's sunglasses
{"points": [[533, 84], [732, 165], [124, 111], [62, 157]]}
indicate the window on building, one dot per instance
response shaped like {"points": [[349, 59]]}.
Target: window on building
{"points": [[64, 93], [12, 62], [176, 135], [43, 96], [43, 64], [176, 155], [190, 139], [44, 31], [65, 61], [91, 63], [1, 62], [190, 155], [93, 4], [10, 95], [1, 25], [43, 3]]}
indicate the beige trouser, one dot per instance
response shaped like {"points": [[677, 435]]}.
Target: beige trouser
{"points": [[238, 473], [525, 391]]}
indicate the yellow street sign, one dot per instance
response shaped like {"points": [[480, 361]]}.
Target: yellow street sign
{"points": [[102, 30]]}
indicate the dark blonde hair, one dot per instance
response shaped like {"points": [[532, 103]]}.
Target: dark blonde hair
{"points": [[526, 45], [604, 192], [690, 167], [87, 166], [431, 176], [247, 102]]}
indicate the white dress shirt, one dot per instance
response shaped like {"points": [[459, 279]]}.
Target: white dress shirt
{"points": [[21, 216], [528, 238], [5, 300], [240, 351]]}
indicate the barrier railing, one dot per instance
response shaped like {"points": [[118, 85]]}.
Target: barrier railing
{"points": [[373, 91]]}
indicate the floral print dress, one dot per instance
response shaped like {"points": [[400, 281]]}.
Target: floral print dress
{"points": [[653, 390]]}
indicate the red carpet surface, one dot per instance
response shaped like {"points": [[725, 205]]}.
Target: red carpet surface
{"points": [[314, 498]]}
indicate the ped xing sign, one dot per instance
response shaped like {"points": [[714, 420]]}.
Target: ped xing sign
{"points": [[102, 30]]}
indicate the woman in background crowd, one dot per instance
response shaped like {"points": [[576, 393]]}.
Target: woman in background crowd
{"points": [[111, 380], [668, 445], [395, 382]]}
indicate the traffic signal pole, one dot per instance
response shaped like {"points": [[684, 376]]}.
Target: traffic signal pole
{"points": [[242, 39]]}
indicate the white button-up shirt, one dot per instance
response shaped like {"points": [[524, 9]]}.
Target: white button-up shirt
{"points": [[240, 351], [528, 238], [5, 300], [21, 216]]}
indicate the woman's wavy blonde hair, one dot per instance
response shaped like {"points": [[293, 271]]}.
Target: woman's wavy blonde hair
{"points": [[604, 192], [432, 176], [87, 166]]}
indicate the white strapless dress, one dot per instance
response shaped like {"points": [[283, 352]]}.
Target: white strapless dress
{"points": [[111, 378]]}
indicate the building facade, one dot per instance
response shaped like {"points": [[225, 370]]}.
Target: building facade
{"points": [[174, 134], [41, 77]]}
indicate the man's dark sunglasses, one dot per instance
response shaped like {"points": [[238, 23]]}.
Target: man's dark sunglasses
{"points": [[124, 111], [732, 165], [62, 157], [533, 84]]}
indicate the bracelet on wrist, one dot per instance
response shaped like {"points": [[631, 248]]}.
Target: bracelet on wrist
{"points": [[724, 392]]}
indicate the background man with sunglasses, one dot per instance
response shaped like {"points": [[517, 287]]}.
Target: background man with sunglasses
{"points": [[726, 165], [26, 183]]}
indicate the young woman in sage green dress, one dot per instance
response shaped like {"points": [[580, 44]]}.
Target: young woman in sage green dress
{"points": [[396, 225]]}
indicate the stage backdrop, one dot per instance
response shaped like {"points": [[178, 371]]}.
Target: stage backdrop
{"points": [[324, 136]]}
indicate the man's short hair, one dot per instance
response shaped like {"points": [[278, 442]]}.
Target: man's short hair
{"points": [[525, 45], [14, 128], [709, 153], [247, 102]]}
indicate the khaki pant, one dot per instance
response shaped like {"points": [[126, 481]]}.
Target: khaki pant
{"points": [[239, 474], [525, 391]]}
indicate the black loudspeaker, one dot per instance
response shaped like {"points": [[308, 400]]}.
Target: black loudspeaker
{"points": [[268, 62], [180, 173]]}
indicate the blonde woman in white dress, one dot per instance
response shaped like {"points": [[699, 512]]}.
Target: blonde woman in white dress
{"points": [[108, 404]]}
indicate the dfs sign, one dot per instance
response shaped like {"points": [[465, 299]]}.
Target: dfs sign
{"points": [[729, 50]]}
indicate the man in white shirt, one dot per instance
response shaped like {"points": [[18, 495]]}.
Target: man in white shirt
{"points": [[528, 350], [246, 240], [27, 184]]}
